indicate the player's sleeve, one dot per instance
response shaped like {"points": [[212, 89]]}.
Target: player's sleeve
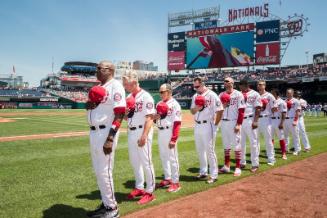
{"points": [[193, 102], [148, 104], [283, 107], [241, 102], [272, 101], [297, 105], [118, 98], [177, 112], [218, 106], [257, 102]]}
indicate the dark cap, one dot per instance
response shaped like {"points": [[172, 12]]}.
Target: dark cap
{"points": [[244, 82]]}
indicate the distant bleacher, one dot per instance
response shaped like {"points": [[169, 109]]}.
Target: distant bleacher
{"points": [[20, 93]]}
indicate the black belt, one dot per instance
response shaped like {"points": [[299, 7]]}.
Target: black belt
{"points": [[263, 116], [226, 120], [199, 122], [289, 118], [135, 127], [163, 127], [275, 118], [100, 127], [248, 116]]}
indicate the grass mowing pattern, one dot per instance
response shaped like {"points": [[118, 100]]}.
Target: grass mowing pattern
{"points": [[54, 177]]}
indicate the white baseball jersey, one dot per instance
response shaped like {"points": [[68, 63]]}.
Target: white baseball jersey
{"points": [[271, 103], [144, 105], [295, 106], [174, 114], [252, 100], [212, 105], [103, 114], [281, 108], [236, 102]]}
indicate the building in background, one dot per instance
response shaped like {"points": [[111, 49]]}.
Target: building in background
{"points": [[143, 65], [320, 58], [12, 81]]}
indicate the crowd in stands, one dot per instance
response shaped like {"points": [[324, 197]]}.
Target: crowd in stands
{"points": [[9, 92], [74, 94]]}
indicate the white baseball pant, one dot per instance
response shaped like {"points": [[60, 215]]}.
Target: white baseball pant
{"points": [[205, 141], [230, 138], [294, 130], [265, 129], [252, 134], [169, 157], [303, 133], [275, 129], [103, 164], [141, 159]]}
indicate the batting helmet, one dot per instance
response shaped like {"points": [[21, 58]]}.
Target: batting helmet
{"points": [[97, 94], [130, 102], [225, 98], [162, 108], [200, 101]]}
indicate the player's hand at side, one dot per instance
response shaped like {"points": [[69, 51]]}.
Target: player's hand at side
{"points": [[107, 147], [294, 123], [281, 126], [237, 128], [141, 141], [172, 144], [90, 105], [198, 108], [254, 125], [156, 117]]}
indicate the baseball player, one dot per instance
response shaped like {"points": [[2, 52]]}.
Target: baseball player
{"points": [[233, 115], [268, 105], [207, 110], [140, 133], [168, 120], [303, 133], [106, 109], [250, 124], [277, 121], [291, 122]]}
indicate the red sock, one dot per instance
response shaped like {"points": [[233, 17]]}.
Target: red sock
{"points": [[282, 146], [227, 157], [238, 159]]}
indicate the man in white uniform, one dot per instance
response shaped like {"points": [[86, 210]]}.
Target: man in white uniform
{"points": [[232, 119], [140, 133], [250, 124], [106, 109], [277, 122], [207, 110], [268, 105], [168, 120], [303, 133], [291, 122]]}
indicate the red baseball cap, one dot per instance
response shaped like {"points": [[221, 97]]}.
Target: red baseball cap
{"points": [[225, 98], [130, 102], [162, 108], [200, 100], [97, 94]]}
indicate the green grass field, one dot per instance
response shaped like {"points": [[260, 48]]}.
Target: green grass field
{"points": [[54, 177]]}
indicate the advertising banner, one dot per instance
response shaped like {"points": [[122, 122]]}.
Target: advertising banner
{"points": [[205, 24], [217, 51], [176, 41], [176, 60], [267, 53], [268, 31]]}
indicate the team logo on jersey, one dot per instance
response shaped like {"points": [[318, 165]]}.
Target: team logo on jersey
{"points": [[139, 106], [149, 105], [117, 96]]}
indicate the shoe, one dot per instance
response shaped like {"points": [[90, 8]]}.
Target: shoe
{"points": [[164, 183], [307, 150], [147, 198], [103, 212], [284, 157], [201, 176], [243, 166], [224, 169], [254, 169], [271, 163], [211, 180], [296, 153], [237, 172], [135, 193], [174, 187]]}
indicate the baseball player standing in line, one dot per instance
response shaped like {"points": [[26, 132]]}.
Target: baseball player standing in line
{"points": [[234, 107], [250, 124], [207, 110], [292, 119], [268, 105], [168, 120], [302, 132], [277, 122], [104, 117], [140, 133]]}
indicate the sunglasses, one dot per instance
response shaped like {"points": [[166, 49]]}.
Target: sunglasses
{"points": [[103, 68], [161, 92], [226, 81]]}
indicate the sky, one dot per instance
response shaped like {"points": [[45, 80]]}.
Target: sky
{"points": [[32, 32]]}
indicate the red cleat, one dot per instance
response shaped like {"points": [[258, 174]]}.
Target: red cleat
{"points": [[147, 198], [164, 183], [135, 193], [174, 187]]}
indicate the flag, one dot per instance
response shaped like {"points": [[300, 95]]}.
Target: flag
{"points": [[13, 69]]}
